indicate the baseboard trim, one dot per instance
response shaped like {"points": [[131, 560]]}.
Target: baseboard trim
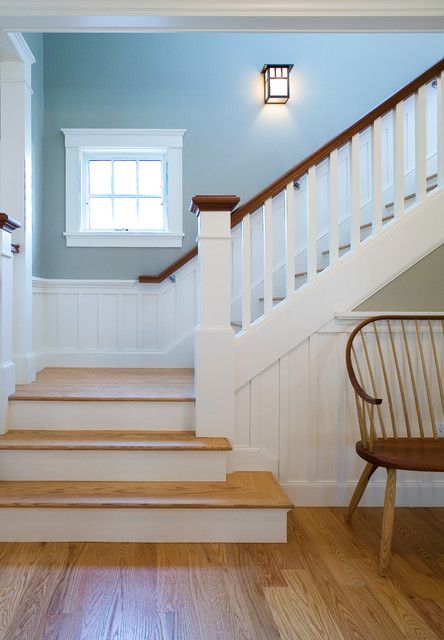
{"points": [[335, 494], [179, 355]]}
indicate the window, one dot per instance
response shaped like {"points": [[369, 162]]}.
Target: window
{"points": [[123, 187]]}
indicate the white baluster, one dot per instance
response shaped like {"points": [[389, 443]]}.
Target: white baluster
{"points": [[420, 144], [355, 236], [377, 176], [246, 271], [333, 241], [398, 155], [268, 255], [440, 125], [289, 231], [312, 257]]}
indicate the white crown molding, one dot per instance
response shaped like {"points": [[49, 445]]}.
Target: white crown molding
{"points": [[21, 47], [217, 15], [224, 7]]}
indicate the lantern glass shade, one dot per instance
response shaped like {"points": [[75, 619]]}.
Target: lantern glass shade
{"points": [[276, 83]]}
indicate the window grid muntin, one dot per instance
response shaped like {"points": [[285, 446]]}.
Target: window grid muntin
{"points": [[135, 157]]}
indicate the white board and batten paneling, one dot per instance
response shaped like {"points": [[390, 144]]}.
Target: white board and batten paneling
{"points": [[115, 322], [298, 419]]}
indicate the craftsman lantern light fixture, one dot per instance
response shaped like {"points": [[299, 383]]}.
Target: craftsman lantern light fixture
{"points": [[276, 83]]}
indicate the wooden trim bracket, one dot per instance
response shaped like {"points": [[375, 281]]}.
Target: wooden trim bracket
{"points": [[8, 224], [302, 167]]}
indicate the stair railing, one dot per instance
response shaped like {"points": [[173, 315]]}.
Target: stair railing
{"points": [[282, 194]]}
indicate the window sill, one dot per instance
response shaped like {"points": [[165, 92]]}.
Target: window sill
{"points": [[122, 239]]}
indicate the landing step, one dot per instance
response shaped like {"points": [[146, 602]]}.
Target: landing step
{"points": [[247, 507], [64, 455], [108, 385]]}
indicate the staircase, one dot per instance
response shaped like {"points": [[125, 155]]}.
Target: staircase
{"points": [[110, 455], [159, 455]]}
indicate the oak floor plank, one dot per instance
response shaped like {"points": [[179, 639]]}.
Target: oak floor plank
{"points": [[322, 584]]}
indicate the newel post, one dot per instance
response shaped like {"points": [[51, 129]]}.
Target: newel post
{"points": [[214, 344], [7, 367]]}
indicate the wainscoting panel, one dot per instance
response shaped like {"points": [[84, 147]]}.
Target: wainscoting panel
{"points": [[115, 323], [299, 417]]}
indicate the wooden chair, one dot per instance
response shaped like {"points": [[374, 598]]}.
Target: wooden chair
{"points": [[395, 365]]}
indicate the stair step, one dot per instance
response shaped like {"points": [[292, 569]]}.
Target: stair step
{"points": [[302, 274], [246, 507], [45, 440], [63, 455], [108, 385], [243, 489], [91, 415], [410, 196]]}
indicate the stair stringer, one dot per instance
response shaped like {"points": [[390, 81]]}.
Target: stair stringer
{"points": [[354, 278]]}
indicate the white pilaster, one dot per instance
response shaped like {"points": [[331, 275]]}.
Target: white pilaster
{"points": [[7, 367], [214, 346], [16, 201]]}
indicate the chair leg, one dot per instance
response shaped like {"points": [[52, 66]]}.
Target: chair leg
{"points": [[369, 470], [387, 522]]}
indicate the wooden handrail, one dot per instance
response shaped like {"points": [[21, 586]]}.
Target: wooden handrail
{"points": [[302, 167]]}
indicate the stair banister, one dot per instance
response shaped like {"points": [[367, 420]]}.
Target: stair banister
{"points": [[214, 345], [7, 368], [440, 88]]}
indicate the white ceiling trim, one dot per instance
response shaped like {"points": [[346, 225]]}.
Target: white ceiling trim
{"points": [[218, 15], [224, 8]]}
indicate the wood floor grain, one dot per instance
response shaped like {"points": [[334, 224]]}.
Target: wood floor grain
{"points": [[137, 385], [323, 584]]}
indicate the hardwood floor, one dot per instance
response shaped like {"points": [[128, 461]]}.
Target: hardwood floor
{"points": [[322, 585], [109, 384]]}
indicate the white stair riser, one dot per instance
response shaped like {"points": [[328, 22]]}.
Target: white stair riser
{"points": [[150, 416], [113, 466], [143, 525]]}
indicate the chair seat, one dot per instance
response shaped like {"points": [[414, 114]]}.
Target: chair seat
{"points": [[414, 454]]}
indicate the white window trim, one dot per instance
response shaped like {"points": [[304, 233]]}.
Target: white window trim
{"points": [[78, 141]]}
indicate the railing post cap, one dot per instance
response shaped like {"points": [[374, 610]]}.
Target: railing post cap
{"points": [[213, 203], [8, 224]]}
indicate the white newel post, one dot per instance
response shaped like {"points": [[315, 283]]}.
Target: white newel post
{"points": [[7, 367], [16, 199], [214, 345]]}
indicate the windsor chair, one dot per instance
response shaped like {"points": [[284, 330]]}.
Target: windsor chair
{"points": [[395, 365]]}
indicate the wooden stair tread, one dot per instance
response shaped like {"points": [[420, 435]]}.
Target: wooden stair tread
{"points": [[242, 490], [16, 440], [101, 385]]}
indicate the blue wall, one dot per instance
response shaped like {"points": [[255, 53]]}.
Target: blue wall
{"points": [[210, 85]]}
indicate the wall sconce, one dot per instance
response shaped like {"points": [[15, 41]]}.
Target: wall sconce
{"points": [[276, 83]]}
